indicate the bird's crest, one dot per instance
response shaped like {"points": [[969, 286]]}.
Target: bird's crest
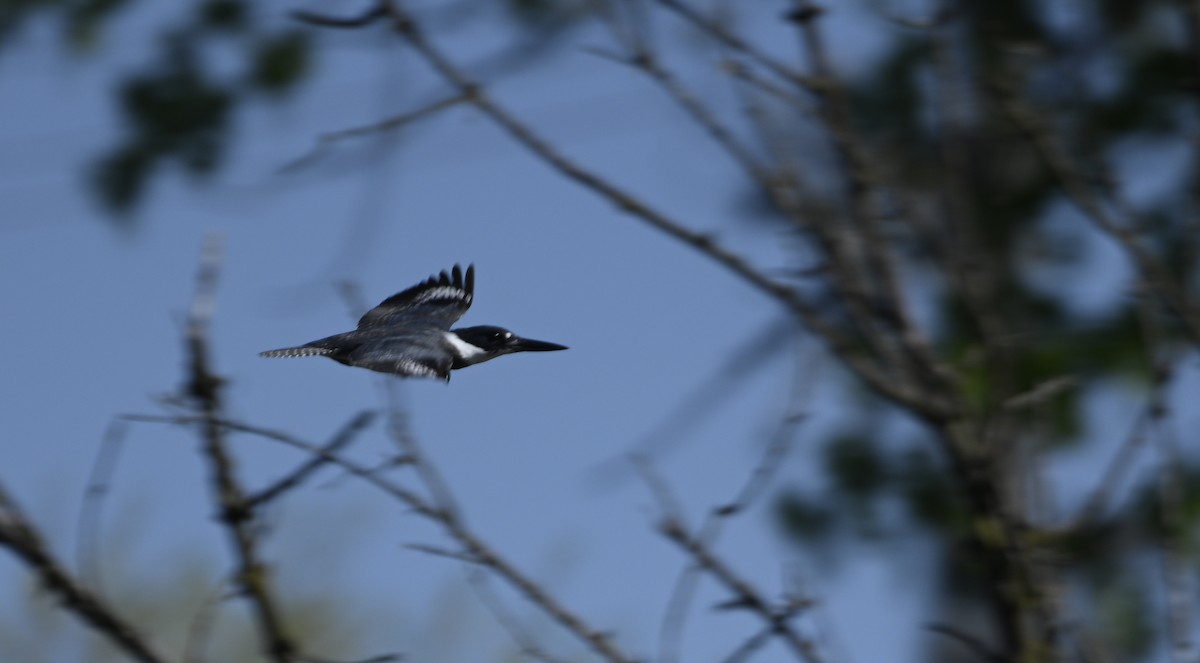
{"points": [[437, 301]]}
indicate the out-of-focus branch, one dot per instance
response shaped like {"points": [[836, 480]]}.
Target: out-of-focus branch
{"points": [[529, 646], [745, 595], [366, 18], [862, 181], [368, 474], [751, 646], [1122, 462], [699, 546], [18, 534], [473, 549], [201, 627], [1157, 278], [325, 141], [804, 377], [925, 405], [252, 576], [647, 62], [969, 268], [856, 294], [858, 252], [447, 514], [724, 35], [976, 646], [88, 544], [1178, 579], [300, 474]]}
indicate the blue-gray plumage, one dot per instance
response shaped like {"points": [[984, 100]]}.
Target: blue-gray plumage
{"points": [[409, 333]]}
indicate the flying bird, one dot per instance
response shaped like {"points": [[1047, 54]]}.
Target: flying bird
{"points": [[409, 333]]}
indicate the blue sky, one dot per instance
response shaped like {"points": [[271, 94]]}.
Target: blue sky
{"points": [[93, 321]]}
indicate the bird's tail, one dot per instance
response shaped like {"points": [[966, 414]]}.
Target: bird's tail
{"points": [[302, 351]]}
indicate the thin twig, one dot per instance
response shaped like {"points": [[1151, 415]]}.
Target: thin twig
{"points": [[1122, 462], [670, 632], [366, 18], [410, 447], [972, 643], [866, 369], [508, 621], [201, 627], [369, 474], [325, 141], [741, 72], [474, 549], [90, 512], [745, 596], [446, 512], [861, 182], [751, 646], [717, 30], [300, 474]]}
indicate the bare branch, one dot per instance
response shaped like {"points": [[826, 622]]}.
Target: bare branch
{"points": [[204, 386], [974, 644], [718, 31], [88, 530], [447, 514], [368, 474], [474, 549], [866, 369], [751, 646], [1123, 460], [524, 640], [325, 141], [366, 18], [670, 632], [18, 534], [200, 629], [745, 596], [297, 476]]}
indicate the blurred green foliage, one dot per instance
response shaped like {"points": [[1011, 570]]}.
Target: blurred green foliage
{"points": [[1115, 83], [181, 109], [1115, 77]]}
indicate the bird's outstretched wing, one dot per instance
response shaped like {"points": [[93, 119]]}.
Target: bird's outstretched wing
{"points": [[403, 355], [438, 301]]}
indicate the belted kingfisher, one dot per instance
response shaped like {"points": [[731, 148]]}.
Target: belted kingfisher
{"points": [[409, 333]]}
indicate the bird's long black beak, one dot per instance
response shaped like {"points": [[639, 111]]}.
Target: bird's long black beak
{"points": [[530, 345]]}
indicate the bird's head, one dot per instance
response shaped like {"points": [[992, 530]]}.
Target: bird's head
{"points": [[487, 342]]}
